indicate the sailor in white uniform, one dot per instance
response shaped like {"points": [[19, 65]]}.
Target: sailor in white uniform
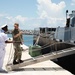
{"points": [[3, 41]]}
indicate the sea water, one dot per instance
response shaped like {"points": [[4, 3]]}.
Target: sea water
{"points": [[28, 39]]}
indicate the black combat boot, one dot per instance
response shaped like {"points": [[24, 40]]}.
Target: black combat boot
{"points": [[21, 61], [14, 62]]}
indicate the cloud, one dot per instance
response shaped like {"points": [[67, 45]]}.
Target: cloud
{"points": [[51, 12], [73, 2], [10, 20], [1, 15], [20, 18], [24, 22]]}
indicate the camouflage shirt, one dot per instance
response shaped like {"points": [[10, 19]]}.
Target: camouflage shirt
{"points": [[19, 38]]}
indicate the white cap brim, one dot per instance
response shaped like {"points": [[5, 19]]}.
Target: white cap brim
{"points": [[3, 26]]}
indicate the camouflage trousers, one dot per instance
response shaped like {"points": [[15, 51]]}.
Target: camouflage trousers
{"points": [[17, 52]]}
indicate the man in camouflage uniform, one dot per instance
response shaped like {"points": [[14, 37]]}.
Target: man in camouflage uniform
{"points": [[17, 36]]}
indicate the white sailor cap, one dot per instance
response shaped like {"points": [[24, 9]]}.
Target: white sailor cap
{"points": [[3, 26]]}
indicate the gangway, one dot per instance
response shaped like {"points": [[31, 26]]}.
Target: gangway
{"points": [[41, 58]]}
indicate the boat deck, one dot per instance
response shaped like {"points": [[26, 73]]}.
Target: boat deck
{"points": [[43, 68]]}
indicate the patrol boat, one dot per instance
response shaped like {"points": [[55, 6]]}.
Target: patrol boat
{"points": [[58, 39]]}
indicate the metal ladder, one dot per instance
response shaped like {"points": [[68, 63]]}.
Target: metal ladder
{"points": [[41, 58]]}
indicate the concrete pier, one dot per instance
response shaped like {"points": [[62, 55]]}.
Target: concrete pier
{"points": [[42, 68]]}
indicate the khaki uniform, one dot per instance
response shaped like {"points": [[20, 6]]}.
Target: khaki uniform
{"points": [[17, 48]]}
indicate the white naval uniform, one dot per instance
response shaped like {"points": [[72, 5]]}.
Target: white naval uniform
{"points": [[3, 38]]}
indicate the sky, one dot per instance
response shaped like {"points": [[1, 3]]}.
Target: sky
{"points": [[31, 14]]}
